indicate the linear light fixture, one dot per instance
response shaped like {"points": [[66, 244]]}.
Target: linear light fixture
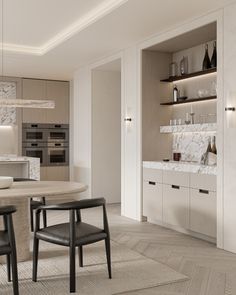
{"points": [[27, 103], [6, 100]]}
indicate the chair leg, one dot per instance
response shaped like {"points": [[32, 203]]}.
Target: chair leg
{"points": [[108, 254], [9, 268], [31, 219], [80, 250], [35, 259], [72, 270], [14, 272], [44, 218]]}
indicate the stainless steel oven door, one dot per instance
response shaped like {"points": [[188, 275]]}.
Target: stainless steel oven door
{"points": [[58, 135], [34, 151], [34, 135], [58, 154]]}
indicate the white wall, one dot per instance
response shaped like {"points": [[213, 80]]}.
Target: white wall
{"points": [[8, 140], [106, 135], [81, 120]]}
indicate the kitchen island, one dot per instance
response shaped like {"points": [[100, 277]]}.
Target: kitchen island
{"points": [[181, 196], [22, 167]]}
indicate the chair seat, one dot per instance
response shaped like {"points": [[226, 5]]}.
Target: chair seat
{"points": [[59, 234], [4, 243], [35, 204]]}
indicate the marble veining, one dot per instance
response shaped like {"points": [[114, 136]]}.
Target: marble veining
{"points": [[182, 167], [189, 128], [7, 114]]}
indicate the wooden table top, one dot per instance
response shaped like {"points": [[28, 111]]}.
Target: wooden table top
{"points": [[27, 189]]}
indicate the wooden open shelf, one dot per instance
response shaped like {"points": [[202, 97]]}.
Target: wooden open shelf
{"points": [[188, 100], [191, 75]]}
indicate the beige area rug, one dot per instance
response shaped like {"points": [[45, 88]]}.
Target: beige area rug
{"points": [[131, 271]]}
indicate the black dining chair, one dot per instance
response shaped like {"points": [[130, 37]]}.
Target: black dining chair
{"points": [[34, 204], [8, 245], [73, 234]]}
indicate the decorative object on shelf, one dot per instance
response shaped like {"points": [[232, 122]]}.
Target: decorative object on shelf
{"points": [[182, 98], [187, 119], [173, 70], [213, 88], [214, 56], [184, 65], [206, 64], [175, 93], [203, 93], [12, 102]]}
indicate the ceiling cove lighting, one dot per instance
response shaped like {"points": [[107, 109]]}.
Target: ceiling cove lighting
{"points": [[7, 99]]}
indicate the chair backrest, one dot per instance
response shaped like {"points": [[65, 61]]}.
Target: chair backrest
{"points": [[18, 179], [6, 210]]}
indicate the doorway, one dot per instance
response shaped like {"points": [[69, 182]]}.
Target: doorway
{"points": [[106, 131]]}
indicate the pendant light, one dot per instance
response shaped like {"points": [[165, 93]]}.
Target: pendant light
{"points": [[19, 103]]}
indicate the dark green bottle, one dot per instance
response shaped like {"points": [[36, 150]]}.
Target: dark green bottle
{"points": [[214, 56], [206, 61]]}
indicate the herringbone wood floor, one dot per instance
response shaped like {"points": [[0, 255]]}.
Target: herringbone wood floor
{"points": [[211, 271]]}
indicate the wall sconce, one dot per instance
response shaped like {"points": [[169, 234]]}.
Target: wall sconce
{"points": [[230, 109]]}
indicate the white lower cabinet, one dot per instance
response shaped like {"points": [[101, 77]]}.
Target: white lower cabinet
{"points": [[152, 200], [203, 212], [176, 205]]}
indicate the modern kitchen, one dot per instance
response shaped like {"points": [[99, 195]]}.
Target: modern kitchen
{"points": [[117, 147]]}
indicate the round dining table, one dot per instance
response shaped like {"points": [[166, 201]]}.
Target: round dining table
{"points": [[20, 193]]}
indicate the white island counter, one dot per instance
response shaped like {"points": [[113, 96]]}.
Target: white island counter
{"points": [[15, 166]]}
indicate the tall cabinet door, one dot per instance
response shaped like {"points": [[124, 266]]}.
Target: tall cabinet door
{"points": [[58, 91], [152, 200], [34, 89]]}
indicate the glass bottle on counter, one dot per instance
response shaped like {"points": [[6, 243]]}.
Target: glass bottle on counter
{"points": [[213, 147]]}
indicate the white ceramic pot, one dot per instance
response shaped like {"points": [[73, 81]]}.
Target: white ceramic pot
{"points": [[5, 181]]}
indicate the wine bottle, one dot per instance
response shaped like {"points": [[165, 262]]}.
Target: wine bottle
{"points": [[214, 56], [209, 150], [175, 94], [206, 61], [213, 147]]}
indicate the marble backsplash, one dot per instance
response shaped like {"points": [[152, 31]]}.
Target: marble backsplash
{"points": [[191, 145], [7, 114]]}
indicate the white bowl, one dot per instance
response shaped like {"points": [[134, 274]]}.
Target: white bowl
{"points": [[5, 181]]}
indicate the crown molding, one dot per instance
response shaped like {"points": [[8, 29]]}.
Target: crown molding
{"points": [[87, 20]]}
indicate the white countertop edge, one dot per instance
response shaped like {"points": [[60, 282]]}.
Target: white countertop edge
{"points": [[181, 167]]}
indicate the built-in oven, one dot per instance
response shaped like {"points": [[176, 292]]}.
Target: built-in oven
{"points": [[34, 133], [58, 133], [57, 154], [36, 150]]}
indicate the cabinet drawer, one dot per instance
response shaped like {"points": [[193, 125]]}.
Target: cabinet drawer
{"points": [[176, 178], [203, 212], [203, 181], [152, 200], [176, 205], [150, 174]]}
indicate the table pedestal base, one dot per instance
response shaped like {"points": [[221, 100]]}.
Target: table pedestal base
{"points": [[21, 228]]}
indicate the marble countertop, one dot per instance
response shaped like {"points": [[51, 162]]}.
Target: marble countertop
{"points": [[181, 166], [13, 158]]}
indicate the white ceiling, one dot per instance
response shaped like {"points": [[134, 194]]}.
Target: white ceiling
{"points": [[113, 66], [52, 38]]}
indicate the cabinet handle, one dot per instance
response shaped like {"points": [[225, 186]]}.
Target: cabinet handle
{"points": [[151, 183], [203, 191], [175, 186]]}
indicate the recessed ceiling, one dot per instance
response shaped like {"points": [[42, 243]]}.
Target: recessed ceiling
{"points": [[53, 38], [190, 39]]}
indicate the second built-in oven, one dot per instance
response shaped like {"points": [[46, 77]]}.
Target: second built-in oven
{"points": [[36, 150], [57, 154]]}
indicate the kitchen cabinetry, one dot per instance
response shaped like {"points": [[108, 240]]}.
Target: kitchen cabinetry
{"points": [[203, 204], [176, 205], [181, 200], [49, 90], [54, 173]]}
